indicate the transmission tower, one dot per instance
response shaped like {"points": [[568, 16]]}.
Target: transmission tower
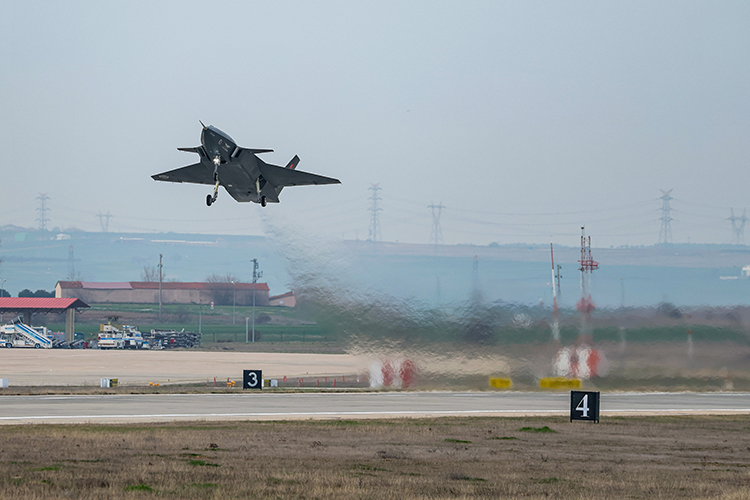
{"points": [[476, 286], [42, 219], [665, 233], [436, 235], [104, 220], [374, 217], [71, 264], [738, 226]]}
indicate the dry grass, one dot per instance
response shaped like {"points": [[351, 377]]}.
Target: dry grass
{"points": [[659, 457]]}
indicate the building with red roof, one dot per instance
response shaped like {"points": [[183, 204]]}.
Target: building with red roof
{"points": [[172, 292], [285, 299]]}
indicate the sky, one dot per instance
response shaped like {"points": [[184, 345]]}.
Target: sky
{"points": [[526, 120]]}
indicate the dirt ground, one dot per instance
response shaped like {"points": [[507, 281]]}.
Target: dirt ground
{"points": [[645, 457], [640, 366], [66, 367]]}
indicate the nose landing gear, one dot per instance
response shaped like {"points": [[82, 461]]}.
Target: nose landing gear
{"points": [[211, 199]]}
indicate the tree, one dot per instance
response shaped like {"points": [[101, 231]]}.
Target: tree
{"points": [[39, 293], [222, 278], [4, 292], [150, 273], [222, 295]]}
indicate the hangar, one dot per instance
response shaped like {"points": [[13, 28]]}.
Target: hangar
{"points": [[27, 306]]}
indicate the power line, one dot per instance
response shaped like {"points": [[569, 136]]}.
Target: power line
{"points": [[665, 233], [104, 221], [42, 219], [738, 226], [375, 234], [436, 235]]}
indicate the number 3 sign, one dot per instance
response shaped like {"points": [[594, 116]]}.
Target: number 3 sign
{"points": [[252, 379], [584, 406]]}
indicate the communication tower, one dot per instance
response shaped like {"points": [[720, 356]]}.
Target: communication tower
{"points": [[436, 235], [374, 217], [71, 264], [665, 233], [42, 219], [256, 275], [588, 265], [738, 226]]}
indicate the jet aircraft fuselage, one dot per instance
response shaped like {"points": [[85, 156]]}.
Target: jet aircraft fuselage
{"points": [[217, 144], [245, 176]]}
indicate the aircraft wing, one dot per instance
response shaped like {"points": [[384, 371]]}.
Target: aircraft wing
{"points": [[197, 173], [280, 177]]}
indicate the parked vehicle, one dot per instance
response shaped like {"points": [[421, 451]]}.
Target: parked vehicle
{"points": [[20, 335], [119, 337]]}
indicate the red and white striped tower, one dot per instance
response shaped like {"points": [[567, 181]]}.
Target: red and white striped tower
{"points": [[588, 265]]}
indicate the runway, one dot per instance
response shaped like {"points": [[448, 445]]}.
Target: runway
{"points": [[265, 406]]}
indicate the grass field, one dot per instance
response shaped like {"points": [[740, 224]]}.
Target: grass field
{"points": [[221, 324], [657, 457]]}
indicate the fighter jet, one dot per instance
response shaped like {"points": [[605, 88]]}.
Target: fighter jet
{"points": [[245, 176]]}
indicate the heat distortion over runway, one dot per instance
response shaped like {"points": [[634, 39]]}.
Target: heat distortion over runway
{"points": [[265, 406]]}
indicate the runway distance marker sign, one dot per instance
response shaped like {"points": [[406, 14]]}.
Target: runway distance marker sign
{"points": [[252, 379], [584, 405]]}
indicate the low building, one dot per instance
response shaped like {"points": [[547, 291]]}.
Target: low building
{"points": [[172, 292], [285, 299], [28, 306]]}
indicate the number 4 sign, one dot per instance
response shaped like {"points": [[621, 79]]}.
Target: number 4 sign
{"points": [[584, 405]]}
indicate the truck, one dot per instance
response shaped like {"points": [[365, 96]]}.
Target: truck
{"points": [[119, 337], [17, 334]]}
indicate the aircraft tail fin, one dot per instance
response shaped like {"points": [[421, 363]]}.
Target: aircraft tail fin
{"points": [[293, 163]]}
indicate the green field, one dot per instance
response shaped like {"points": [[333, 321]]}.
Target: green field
{"points": [[220, 324], [282, 324]]}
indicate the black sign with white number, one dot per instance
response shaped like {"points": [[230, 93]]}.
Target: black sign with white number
{"points": [[252, 379], [584, 405]]}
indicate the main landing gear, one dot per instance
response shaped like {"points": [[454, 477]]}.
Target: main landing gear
{"points": [[261, 199]]}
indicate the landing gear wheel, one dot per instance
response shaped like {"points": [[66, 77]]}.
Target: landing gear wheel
{"points": [[263, 201], [209, 200]]}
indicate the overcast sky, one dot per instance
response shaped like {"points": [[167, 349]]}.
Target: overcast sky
{"points": [[525, 119]]}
